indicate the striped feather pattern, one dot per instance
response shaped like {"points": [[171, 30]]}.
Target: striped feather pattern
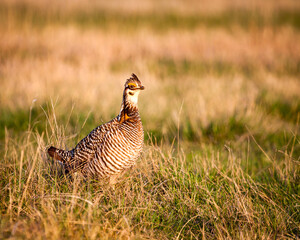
{"points": [[112, 147]]}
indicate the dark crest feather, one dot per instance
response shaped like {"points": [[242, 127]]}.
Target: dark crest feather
{"points": [[133, 79]]}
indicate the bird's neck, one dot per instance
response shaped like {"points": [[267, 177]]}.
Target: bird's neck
{"points": [[128, 110]]}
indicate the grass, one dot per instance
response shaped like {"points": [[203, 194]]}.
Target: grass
{"points": [[283, 108], [213, 191], [220, 114], [178, 68], [40, 17]]}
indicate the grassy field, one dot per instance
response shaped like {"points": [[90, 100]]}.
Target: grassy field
{"points": [[221, 114]]}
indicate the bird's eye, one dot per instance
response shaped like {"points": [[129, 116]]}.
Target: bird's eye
{"points": [[131, 85]]}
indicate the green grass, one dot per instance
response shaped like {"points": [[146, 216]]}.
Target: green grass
{"points": [[166, 196], [286, 109], [218, 132], [193, 188], [166, 67]]}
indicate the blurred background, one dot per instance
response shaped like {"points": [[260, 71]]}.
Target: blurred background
{"points": [[211, 68]]}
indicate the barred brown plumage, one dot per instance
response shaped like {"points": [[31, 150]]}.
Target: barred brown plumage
{"points": [[111, 147]]}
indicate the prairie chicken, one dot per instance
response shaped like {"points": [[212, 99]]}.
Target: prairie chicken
{"points": [[111, 147]]}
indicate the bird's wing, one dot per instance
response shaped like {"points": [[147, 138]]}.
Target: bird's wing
{"points": [[86, 148]]}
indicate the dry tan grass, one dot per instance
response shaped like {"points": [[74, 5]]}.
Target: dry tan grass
{"points": [[76, 66]]}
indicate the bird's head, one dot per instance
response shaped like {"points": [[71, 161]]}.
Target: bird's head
{"points": [[132, 89]]}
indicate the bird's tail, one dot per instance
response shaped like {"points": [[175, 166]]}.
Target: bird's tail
{"points": [[59, 154]]}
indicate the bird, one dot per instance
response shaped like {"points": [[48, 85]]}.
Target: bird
{"points": [[111, 148]]}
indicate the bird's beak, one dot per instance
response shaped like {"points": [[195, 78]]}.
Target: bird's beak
{"points": [[142, 87]]}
